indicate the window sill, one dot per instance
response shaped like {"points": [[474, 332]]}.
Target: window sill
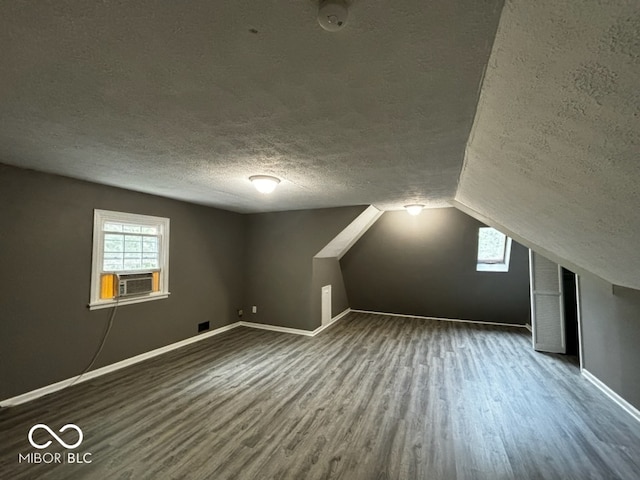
{"points": [[492, 267], [127, 301]]}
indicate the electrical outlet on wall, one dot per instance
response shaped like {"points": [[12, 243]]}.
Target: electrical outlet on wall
{"points": [[240, 312], [254, 309]]}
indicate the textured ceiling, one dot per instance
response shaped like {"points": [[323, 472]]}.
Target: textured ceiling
{"points": [[187, 99], [554, 155]]}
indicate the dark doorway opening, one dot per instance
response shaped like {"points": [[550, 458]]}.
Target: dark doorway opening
{"points": [[570, 312]]}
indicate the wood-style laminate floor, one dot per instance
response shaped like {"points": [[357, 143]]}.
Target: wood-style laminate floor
{"points": [[372, 397]]}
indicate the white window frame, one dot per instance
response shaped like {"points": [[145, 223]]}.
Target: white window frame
{"points": [[100, 217], [503, 266]]}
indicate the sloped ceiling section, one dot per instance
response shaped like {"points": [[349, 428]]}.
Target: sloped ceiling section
{"points": [[187, 99], [554, 152], [347, 238]]}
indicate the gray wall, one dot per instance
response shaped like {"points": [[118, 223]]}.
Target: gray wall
{"points": [[425, 265], [279, 263], [327, 271], [611, 336], [47, 333]]}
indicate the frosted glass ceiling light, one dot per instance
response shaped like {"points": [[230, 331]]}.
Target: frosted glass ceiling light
{"points": [[414, 209], [264, 183]]}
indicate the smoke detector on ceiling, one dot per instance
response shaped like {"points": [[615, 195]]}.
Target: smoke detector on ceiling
{"points": [[332, 15]]}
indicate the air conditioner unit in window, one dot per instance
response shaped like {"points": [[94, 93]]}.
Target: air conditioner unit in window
{"points": [[135, 284]]}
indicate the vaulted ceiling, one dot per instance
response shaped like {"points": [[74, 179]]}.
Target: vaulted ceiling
{"points": [[188, 99], [554, 155]]}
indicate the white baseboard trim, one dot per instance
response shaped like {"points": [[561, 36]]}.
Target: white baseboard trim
{"points": [[630, 409], [331, 322], [54, 387], [440, 319], [276, 328], [295, 331], [528, 327]]}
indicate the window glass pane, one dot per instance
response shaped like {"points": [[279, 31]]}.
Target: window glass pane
{"points": [[113, 242], [132, 243], [130, 252], [148, 229], [112, 227], [112, 262], [491, 246], [132, 263], [150, 244], [131, 228]]}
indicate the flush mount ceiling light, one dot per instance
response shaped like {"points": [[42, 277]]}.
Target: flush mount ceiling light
{"points": [[414, 209], [264, 183], [332, 15]]}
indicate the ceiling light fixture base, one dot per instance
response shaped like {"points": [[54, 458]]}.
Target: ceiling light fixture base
{"points": [[264, 183], [332, 15], [414, 208]]}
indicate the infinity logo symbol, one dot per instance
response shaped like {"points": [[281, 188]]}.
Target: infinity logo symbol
{"points": [[60, 441]]}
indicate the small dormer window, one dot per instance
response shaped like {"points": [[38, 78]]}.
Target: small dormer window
{"points": [[494, 250]]}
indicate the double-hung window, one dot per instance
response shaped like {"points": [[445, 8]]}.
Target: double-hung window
{"points": [[494, 251], [128, 250]]}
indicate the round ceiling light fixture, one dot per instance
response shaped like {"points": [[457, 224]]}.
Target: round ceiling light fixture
{"points": [[332, 15], [264, 183], [414, 209]]}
